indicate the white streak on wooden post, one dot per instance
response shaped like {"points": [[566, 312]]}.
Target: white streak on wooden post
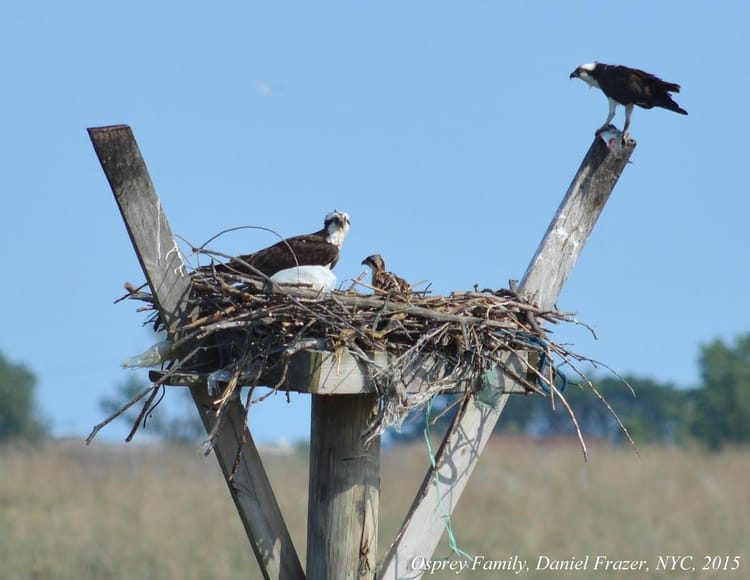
{"points": [[342, 514], [469, 433], [575, 219], [161, 262]]}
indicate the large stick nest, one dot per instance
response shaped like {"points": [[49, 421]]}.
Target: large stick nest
{"points": [[248, 328]]}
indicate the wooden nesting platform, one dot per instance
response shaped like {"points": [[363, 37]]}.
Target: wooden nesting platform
{"points": [[344, 472], [319, 372], [345, 343]]}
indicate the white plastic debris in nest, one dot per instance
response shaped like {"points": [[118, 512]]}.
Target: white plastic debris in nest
{"points": [[318, 277], [157, 354]]}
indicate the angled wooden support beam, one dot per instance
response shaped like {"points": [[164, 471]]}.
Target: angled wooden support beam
{"points": [[471, 429], [145, 221], [573, 223], [162, 264]]}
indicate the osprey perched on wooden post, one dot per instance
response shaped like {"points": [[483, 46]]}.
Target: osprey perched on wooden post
{"points": [[320, 248], [628, 87], [383, 280]]}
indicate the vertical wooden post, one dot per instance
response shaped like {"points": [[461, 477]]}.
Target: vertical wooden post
{"points": [[469, 433], [342, 516], [162, 264]]}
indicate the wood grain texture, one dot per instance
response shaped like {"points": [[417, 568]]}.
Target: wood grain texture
{"points": [[342, 516], [144, 218], [573, 223], [470, 431], [162, 264], [324, 373]]}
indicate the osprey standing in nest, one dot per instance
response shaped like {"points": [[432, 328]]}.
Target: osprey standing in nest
{"points": [[388, 282], [320, 248], [628, 87]]}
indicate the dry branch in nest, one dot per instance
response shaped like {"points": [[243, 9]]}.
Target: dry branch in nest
{"points": [[247, 330]]}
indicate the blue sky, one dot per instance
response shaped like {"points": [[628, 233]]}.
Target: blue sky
{"points": [[449, 131]]}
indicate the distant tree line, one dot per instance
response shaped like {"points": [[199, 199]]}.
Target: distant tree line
{"points": [[716, 413], [19, 416]]}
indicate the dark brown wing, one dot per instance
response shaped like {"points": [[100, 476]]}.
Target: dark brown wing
{"points": [[307, 250], [634, 86], [389, 282]]}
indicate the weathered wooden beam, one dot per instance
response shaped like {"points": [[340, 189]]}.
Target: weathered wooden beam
{"points": [[144, 219], [470, 431], [162, 264], [573, 223], [323, 373], [344, 484]]}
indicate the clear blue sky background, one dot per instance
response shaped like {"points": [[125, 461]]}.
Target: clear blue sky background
{"points": [[448, 130]]}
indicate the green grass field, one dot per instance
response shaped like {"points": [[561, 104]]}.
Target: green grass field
{"points": [[68, 511]]}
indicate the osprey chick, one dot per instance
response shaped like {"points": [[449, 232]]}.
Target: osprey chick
{"points": [[628, 87], [320, 248], [388, 282]]}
